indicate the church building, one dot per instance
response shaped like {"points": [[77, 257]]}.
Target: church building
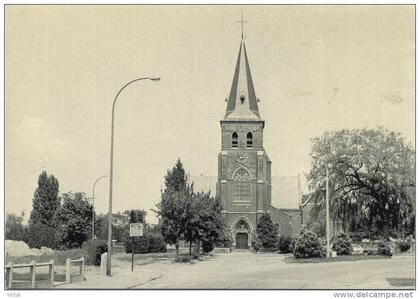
{"points": [[244, 181]]}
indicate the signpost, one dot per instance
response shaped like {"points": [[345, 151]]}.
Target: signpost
{"points": [[136, 230]]}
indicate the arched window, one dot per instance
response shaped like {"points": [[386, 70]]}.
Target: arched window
{"points": [[277, 228], [241, 186], [234, 139], [241, 225], [249, 142]]}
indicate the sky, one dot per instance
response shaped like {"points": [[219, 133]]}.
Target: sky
{"points": [[315, 68]]}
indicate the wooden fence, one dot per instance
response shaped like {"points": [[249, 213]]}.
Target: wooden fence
{"points": [[10, 281], [32, 273], [81, 263]]}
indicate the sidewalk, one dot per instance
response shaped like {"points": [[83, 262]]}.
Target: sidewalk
{"points": [[120, 279]]}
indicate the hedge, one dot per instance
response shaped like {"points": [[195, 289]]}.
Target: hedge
{"points": [[150, 242], [94, 249]]}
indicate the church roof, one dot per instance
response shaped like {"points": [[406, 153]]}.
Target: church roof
{"points": [[242, 102]]}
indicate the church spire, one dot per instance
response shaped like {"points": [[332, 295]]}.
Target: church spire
{"points": [[242, 102]]}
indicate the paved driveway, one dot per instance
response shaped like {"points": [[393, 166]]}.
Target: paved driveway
{"points": [[244, 270]]}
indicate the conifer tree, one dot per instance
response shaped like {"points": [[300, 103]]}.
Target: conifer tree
{"points": [[176, 178], [267, 233], [44, 207], [175, 206]]}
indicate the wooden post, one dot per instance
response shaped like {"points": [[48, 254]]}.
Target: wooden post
{"points": [[7, 276], [132, 254], [10, 277], [51, 273], [82, 268], [68, 271], [33, 274]]}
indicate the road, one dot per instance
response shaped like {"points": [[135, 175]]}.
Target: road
{"points": [[247, 270]]}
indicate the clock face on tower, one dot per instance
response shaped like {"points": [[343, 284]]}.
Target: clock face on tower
{"points": [[241, 158]]}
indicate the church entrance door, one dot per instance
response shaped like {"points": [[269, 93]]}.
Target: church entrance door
{"points": [[242, 241]]}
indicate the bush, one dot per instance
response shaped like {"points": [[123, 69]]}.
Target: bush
{"points": [[383, 248], [94, 250], [224, 241], [141, 245], [308, 245], [267, 233], [156, 242], [207, 246], [149, 243], [284, 244], [356, 237], [41, 235], [292, 244], [257, 245], [404, 245], [342, 244]]}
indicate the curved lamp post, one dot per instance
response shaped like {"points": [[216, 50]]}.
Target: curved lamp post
{"points": [[111, 167], [93, 205]]}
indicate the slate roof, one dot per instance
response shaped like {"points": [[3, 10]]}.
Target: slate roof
{"points": [[242, 102]]}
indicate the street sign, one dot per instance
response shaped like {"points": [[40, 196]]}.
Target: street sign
{"points": [[136, 229]]}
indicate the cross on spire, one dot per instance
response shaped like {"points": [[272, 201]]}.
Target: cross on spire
{"points": [[242, 21]]}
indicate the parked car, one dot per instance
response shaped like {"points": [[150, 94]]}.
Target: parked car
{"points": [[357, 249]]}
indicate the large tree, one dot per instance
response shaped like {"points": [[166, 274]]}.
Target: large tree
{"points": [[205, 223], [175, 212], [186, 215], [14, 227], [371, 179], [45, 203], [74, 219], [175, 206]]}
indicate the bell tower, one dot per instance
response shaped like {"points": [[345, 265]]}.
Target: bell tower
{"points": [[244, 169]]}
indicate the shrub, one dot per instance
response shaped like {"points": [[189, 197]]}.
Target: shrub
{"points": [[150, 242], [284, 244], [156, 242], [356, 237], [404, 245], [141, 245], [224, 241], [267, 233], [292, 244], [94, 250], [342, 244], [41, 235], [207, 246], [308, 245], [257, 245], [383, 248]]}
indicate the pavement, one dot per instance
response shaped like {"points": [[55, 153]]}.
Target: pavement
{"points": [[248, 270]]}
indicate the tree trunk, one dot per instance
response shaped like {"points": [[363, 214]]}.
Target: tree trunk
{"points": [[190, 247], [176, 249]]}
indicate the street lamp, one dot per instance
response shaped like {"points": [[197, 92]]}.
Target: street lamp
{"points": [[111, 166], [327, 214], [93, 205]]}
